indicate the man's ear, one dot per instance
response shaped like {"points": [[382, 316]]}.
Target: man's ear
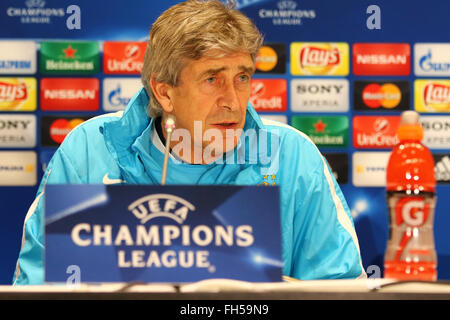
{"points": [[160, 90]]}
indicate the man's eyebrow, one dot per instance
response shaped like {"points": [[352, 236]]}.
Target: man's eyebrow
{"points": [[212, 71], [249, 70]]}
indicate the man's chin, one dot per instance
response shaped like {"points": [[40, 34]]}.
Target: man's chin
{"points": [[214, 151]]}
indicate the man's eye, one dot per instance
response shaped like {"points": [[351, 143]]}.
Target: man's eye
{"points": [[244, 78], [210, 79]]}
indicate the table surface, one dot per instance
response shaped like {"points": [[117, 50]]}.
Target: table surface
{"points": [[222, 289]]}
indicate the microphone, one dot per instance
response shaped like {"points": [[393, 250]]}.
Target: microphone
{"points": [[169, 126]]}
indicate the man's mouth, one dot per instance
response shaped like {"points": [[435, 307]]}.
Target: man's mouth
{"points": [[225, 125]]}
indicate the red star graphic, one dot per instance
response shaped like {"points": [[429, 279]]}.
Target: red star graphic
{"points": [[70, 52], [320, 126]]}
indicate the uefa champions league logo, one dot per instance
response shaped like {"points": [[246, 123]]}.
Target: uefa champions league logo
{"points": [[287, 5], [35, 3], [161, 205], [35, 12]]}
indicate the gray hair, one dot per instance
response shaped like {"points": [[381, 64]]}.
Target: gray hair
{"points": [[188, 31]]}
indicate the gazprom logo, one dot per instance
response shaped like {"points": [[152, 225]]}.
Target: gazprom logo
{"points": [[117, 92], [116, 99], [161, 205], [432, 59]]}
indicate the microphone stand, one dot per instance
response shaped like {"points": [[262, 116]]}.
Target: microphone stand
{"points": [[169, 126]]}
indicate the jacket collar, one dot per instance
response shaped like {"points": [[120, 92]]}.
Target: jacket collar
{"points": [[121, 135]]}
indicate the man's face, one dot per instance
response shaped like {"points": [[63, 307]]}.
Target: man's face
{"points": [[213, 93]]}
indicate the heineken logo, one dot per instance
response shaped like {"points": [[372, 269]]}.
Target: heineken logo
{"points": [[329, 131], [69, 52], [69, 57]]}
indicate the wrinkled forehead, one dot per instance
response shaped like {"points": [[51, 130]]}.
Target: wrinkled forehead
{"points": [[214, 62]]}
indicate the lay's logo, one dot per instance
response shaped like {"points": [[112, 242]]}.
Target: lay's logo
{"points": [[10, 92], [436, 94], [17, 94], [317, 58], [432, 95]]}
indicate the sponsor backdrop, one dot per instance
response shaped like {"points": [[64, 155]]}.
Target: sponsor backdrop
{"points": [[340, 71]]}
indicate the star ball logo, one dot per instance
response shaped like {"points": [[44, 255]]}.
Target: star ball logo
{"points": [[161, 205]]}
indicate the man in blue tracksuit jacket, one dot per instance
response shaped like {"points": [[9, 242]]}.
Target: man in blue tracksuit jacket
{"points": [[201, 75]]}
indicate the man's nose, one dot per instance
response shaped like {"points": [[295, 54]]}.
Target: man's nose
{"points": [[229, 98]]}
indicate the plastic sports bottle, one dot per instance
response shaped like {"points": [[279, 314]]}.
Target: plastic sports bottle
{"points": [[411, 197]]}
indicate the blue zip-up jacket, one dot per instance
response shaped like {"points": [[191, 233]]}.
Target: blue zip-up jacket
{"points": [[318, 236]]}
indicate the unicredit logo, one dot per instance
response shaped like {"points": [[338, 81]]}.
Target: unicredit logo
{"points": [[381, 59], [13, 92], [381, 125], [123, 57], [268, 94], [375, 132]]}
